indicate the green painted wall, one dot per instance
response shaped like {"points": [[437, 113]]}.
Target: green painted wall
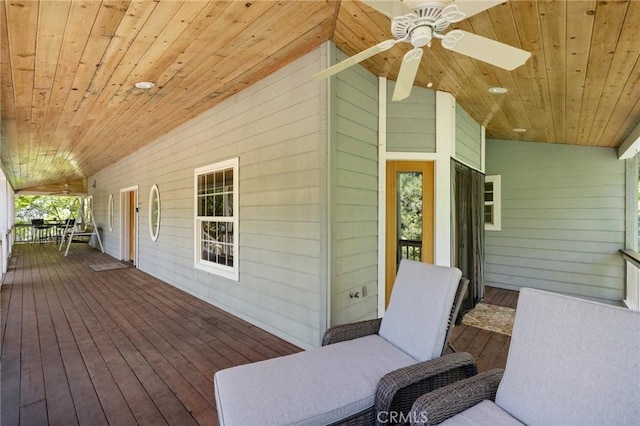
{"points": [[411, 123], [278, 129], [354, 193], [468, 139], [563, 219]]}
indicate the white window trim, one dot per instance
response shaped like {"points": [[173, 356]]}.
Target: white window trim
{"points": [[110, 208], [221, 270], [156, 191], [497, 203]]}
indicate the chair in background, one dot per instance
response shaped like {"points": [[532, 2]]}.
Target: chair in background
{"points": [[66, 231], [571, 361], [366, 372], [41, 230]]}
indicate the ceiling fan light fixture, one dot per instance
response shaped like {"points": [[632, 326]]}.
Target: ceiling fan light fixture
{"points": [[497, 90], [421, 36], [144, 85]]}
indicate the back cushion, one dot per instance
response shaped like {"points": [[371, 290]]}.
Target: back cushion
{"points": [[418, 313], [572, 361]]}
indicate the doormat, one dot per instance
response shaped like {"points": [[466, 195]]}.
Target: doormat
{"points": [[491, 317], [99, 267]]}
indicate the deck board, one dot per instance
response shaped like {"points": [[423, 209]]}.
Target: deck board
{"points": [[60, 409], [12, 337], [121, 347], [86, 405], [490, 349], [501, 297]]}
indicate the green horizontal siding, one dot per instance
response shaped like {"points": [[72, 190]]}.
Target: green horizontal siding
{"points": [[277, 128], [563, 219], [468, 139], [411, 123], [354, 193]]}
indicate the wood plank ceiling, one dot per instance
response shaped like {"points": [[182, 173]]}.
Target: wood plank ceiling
{"points": [[69, 105]]}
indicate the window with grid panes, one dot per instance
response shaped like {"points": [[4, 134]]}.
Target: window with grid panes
{"points": [[216, 221], [492, 203]]}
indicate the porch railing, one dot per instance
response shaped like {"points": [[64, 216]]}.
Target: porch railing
{"points": [[410, 249], [28, 233], [25, 233], [632, 286]]}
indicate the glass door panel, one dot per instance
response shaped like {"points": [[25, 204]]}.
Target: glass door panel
{"points": [[409, 215], [409, 218]]}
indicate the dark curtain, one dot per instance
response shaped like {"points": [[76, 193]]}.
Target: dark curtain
{"points": [[467, 226]]}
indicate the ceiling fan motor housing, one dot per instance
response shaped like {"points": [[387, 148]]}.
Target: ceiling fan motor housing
{"points": [[419, 26]]}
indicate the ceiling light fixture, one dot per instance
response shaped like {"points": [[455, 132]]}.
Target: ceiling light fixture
{"points": [[144, 85], [497, 90], [519, 130]]}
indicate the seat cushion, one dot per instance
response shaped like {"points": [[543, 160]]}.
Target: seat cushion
{"points": [[572, 361], [486, 413], [417, 318], [318, 386]]}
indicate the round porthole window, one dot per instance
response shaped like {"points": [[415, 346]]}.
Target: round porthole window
{"points": [[110, 212], [154, 212]]}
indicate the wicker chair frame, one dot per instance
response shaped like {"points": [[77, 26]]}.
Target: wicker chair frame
{"points": [[435, 407], [399, 389]]}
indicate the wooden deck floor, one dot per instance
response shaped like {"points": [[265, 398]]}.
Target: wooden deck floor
{"points": [[121, 347], [112, 347], [490, 349]]}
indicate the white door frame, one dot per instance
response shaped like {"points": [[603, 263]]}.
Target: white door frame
{"points": [[445, 150], [125, 227]]}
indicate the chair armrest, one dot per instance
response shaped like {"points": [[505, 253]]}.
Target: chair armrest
{"points": [[398, 390], [435, 407], [340, 333]]}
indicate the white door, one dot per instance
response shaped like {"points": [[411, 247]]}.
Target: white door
{"points": [[129, 229]]}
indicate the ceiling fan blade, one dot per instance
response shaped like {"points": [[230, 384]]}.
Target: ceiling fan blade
{"points": [[485, 49], [357, 58], [407, 74], [390, 8], [473, 7]]}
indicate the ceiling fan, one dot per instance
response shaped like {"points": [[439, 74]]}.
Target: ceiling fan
{"points": [[65, 191], [419, 22]]}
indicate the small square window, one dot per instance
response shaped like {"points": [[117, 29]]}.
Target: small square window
{"points": [[492, 201]]}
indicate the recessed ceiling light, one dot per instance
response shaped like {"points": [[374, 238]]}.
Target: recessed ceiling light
{"points": [[519, 130], [144, 85], [497, 90]]}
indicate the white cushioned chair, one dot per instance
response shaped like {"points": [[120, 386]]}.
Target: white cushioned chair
{"points": [[571, 362], [365, 372]]}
